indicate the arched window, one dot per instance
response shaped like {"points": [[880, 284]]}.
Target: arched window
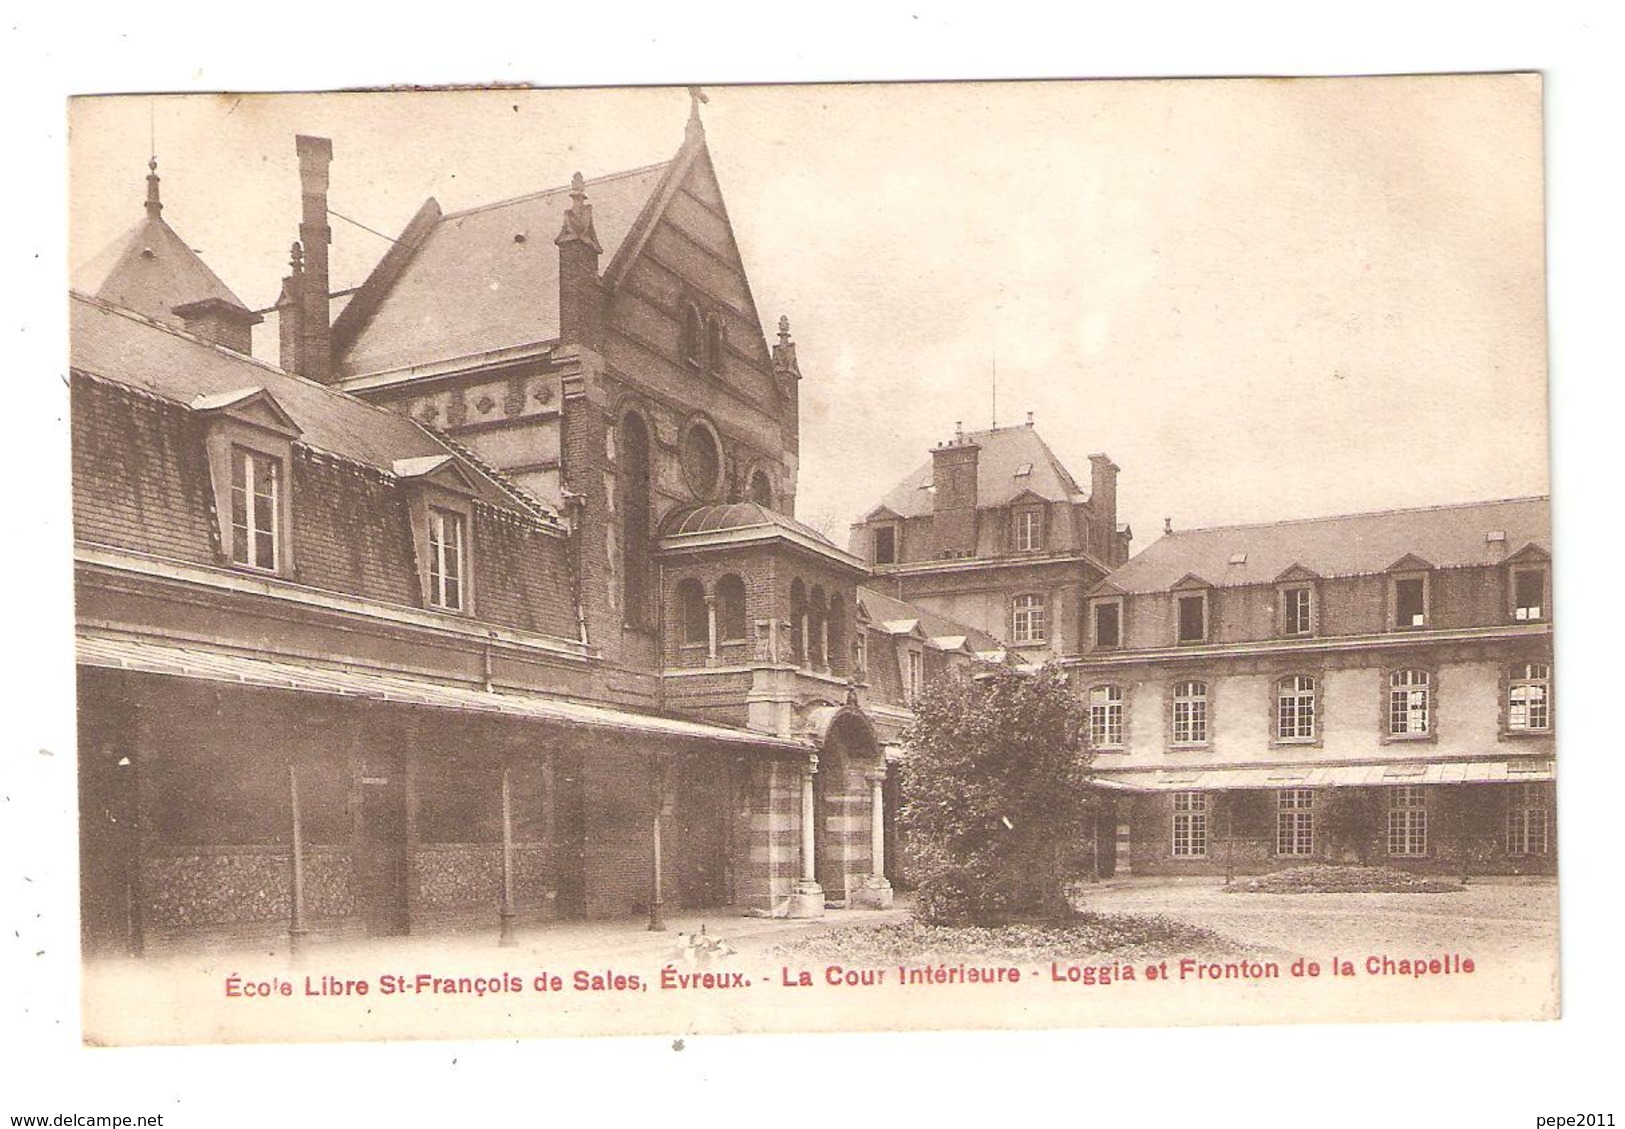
{"points": [[798, 621], [714, 340], [1295, 708], [837, 633], [636, 472], [693, 336], [761, 489], [1410, 703], [731, 609], [1190, 713], [693, 622], [1529, 698], [817, 628]]}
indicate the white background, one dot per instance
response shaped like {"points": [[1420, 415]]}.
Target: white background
{"points": [[1454, 1075]]}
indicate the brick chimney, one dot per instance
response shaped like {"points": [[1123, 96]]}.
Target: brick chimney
{"points": [[221, 323], [953, 498], [314, 334], [581, 297], [1103, 489]]}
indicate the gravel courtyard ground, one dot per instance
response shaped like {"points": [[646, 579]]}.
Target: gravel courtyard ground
{"points": [[1510, 920]]}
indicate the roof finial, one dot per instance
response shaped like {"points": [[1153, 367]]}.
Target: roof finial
{"points": [[784, 329], [578, 189], [296, 258], [696, 98], [154, 205]]}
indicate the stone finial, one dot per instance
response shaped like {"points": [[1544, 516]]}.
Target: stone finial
{"points": [[296, 258], [696, 128], [154, 205], [784, 329], [578, 189], [784, 353], [577, 226]]}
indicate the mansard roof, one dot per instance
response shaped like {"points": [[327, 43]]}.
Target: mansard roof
{"points": [[1455, 536], [124, 348], [1004, 452], [487, 278]]}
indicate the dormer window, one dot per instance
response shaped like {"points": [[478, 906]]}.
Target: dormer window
{"points": [[1297, 610], [1192, 612], [1029, 530], [1410, 602], [255, 488], [1108, 623], [446, 540], [885, 541], [248, 441], [1529, 594]]}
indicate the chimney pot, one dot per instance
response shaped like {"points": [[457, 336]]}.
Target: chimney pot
{"points": [[1029, 419], [1167, 525]]}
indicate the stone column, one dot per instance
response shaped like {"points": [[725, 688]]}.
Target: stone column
{"points": [[876, 891], [823, 643], [657, 788], [710, 630], [297, 932], [505, 937], [808, 899]]}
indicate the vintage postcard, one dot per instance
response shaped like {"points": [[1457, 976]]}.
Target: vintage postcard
{"points": [[804, 558]]}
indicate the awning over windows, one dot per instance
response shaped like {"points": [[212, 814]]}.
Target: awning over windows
{"points": [[1503, 771], [148, 656]]}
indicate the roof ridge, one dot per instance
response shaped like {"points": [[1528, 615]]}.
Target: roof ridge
{"points": [[1433, 508], [539, 193]]}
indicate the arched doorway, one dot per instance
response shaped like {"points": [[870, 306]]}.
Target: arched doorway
{"points": [[843, 803]]}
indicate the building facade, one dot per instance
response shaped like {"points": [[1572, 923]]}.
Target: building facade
{"points": [[1374, 687], [486, 605], [995, 533]]}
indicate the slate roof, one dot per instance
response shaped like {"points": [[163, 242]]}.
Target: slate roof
{"points": [[124, 348], [1004, 451], [151, 270], [888, 609], [471, 286], [1348, 545]]}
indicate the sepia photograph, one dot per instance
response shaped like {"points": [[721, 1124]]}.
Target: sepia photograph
{"points": [[802, 558]]}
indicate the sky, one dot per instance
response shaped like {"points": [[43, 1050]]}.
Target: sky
{"points": [[1265, 299]]}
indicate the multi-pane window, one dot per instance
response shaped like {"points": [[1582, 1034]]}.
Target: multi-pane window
{"points": [[1026, 532], [1529, 698], [1529, 594], [1190, 713], [1106, 717], [1408, 821], [916, 675], [1295, 822], [254, 486], [1410, 602], [1410, 703], [1295, 708], [1109, 624], [1193, 618], [1190, 824], [1296, 609], [1528, 820], [1028, 619], [885, 544], [446, 559]]}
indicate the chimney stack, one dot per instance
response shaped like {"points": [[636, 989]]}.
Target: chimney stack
{"points": [[1103, 489], [954, 474], [315, 339], [581, 297], [1029, 419]]}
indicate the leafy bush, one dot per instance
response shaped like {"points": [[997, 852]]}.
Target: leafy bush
{"points": [[997, 804]]}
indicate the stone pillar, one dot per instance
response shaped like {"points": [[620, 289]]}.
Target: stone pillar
{"points": [[657, 787], [808, 899], [297, 932], [505, 937], [710, 630], [823, 643], [876, 891]]}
